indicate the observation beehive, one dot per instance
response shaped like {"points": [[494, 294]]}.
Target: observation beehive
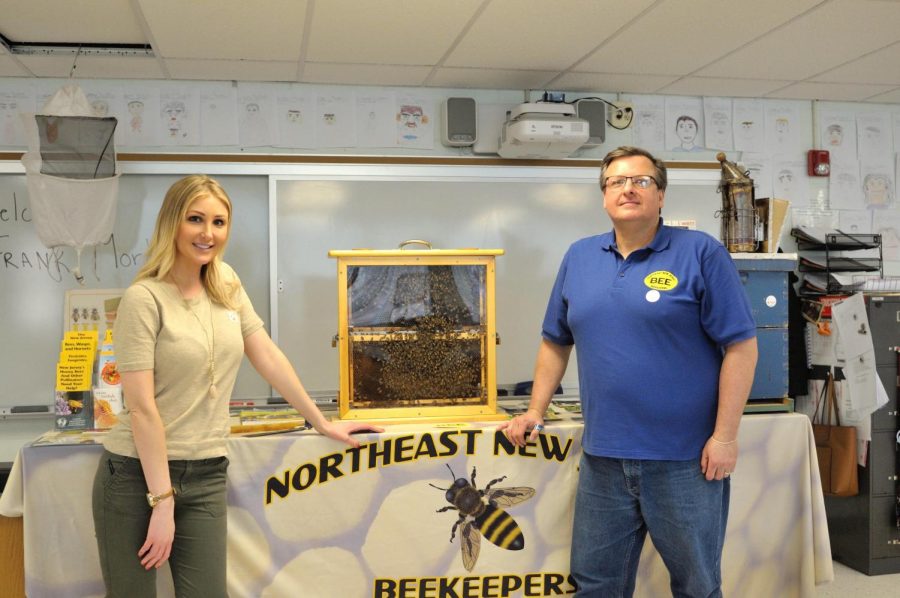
{"points": [[416, 334]]}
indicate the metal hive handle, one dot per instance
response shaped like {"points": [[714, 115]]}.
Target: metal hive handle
{"points": [[415, 241]]}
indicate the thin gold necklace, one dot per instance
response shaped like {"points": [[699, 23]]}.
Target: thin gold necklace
{"points": [[210, 344]]}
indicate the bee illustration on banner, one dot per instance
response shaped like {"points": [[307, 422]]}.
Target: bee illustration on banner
{"points": [[480, 514]]}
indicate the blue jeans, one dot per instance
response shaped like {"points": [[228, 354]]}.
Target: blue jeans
{"points": [[620, 500]]}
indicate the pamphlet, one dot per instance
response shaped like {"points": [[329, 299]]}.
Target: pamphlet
{"points": [[74, 410], [107, 406]]}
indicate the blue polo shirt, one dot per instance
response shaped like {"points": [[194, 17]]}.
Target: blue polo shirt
{"points": [[649, 333]]}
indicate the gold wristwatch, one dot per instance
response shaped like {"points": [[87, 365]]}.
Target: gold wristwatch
{"points": [[154, 499]]}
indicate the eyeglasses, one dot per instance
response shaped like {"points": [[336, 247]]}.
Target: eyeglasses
{"points": [[641, 181]]}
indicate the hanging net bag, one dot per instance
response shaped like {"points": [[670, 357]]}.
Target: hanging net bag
{"points": [[71, 174]]}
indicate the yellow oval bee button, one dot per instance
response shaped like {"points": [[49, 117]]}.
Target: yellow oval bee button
{"points": [[661, 280]]}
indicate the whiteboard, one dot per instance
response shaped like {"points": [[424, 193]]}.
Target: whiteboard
{"points": [[33, 279], [534, 220]]}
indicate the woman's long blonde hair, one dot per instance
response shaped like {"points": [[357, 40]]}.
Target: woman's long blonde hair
{"points": [[162, 250]]}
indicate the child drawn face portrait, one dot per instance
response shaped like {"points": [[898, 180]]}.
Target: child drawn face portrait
{"points": [[835, 135], [720, 122], [782, 126], [877, 190], [135, 107], [294, 117], [329, 118], [889, 240], [100, 107], [686, 129], [253, 115], [173, 113], [785, 177], [411, 116], [9, 111]]}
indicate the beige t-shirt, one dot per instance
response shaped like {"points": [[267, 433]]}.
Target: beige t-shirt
{"points": [[156, 329]]}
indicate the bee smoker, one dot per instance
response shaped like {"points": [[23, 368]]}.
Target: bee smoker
{"points": [[739, 216]]}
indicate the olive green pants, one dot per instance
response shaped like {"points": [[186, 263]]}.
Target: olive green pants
{"points": [[122, 516]]}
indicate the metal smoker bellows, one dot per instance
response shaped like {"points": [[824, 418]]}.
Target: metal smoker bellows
{"points": [[739, 217]]}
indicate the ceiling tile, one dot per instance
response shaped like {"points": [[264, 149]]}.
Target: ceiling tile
{"points": [[612, 82], [231, 70], [891, 97], [722, 86], [11, 68], [94, 67], [829, 36], [882, 66], [226, 29], [540, 35], [674, 38], [88, 21], [386, 31], [837, 92], [490, 78], [365, 74]]}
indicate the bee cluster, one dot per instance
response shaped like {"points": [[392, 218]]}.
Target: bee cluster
{"points": [[426, 362]]}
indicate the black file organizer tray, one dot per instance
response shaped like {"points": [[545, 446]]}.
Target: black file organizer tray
{"points": [[835, 261]]}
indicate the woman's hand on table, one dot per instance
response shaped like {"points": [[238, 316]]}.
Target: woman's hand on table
{"points": [[342, 431]]}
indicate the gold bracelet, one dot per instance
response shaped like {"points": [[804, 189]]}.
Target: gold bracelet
{"points": [[714, 439]]}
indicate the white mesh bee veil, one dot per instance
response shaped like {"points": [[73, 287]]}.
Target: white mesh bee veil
{"points": [[71, 173]]}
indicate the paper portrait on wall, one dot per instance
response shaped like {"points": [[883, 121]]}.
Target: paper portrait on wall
{"points": [[837, 134], [137, 126], [684, 125], [649, 122], [717, 118], [179, 118], [218, 114], [874, 136], [15, 99], [748, 125], [295, 116], [256, 115], [790, 180], [336, 120], [855, 222], [844, 186], [783, 134], [415, 122], [877, 184], [376, 125], [887, 224]]}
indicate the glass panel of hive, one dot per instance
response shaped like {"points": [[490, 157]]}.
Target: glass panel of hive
{"points": [[417, 335]]}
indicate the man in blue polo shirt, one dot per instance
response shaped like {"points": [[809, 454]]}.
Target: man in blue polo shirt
{"points": [[666, 354]]}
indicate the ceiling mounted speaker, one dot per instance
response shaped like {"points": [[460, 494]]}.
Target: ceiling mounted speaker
{"points": [[458, 128]]}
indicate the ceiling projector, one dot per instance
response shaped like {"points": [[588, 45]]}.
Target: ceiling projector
{"points": [[542, 130]]}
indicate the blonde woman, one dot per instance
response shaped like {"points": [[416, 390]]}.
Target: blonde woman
{"points": [[181, 330]]}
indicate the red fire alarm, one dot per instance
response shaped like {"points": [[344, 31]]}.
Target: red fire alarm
{"points": [[818, 163]]}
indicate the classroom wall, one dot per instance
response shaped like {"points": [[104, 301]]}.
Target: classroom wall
{"points": [[30, 294], [371, 114]]}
